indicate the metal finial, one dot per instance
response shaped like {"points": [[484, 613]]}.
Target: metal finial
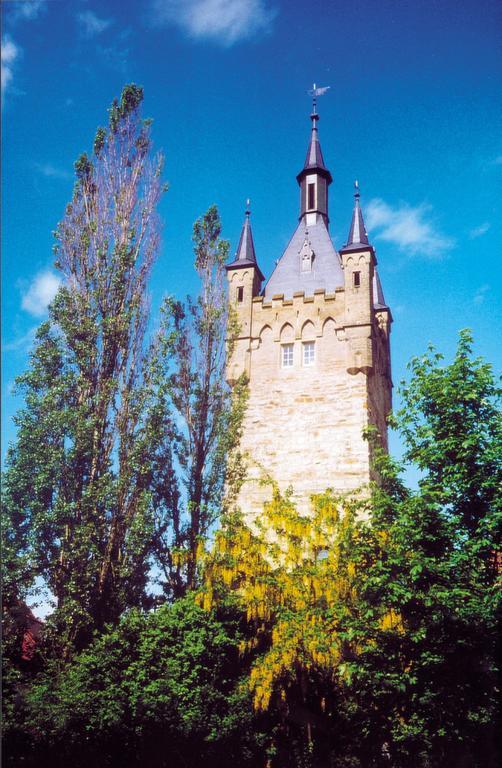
{"points": [[357, 193], [248, 207], [315, 92]]}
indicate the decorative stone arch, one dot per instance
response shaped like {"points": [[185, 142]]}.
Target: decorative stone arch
{"points": [[308, 331], [287, 334], [328, 326], [265, 351], [265, 332]]}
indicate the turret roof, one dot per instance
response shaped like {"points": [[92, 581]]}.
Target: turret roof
{"points": [[357, 234], [245, 255], [314, 160]]}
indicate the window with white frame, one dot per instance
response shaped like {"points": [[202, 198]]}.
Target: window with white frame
{"points": [[308, 353], [286, 355]]}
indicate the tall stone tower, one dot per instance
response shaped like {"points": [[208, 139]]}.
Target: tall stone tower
{"points": [[314, 344]]}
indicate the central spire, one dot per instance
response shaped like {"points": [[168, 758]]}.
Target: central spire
{"points": [[314, 157], [314, 179]]}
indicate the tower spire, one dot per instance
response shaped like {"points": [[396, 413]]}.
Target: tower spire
{"points": [[314, 178], [314, 160], [245, 255], [245, 249], [357, 234]]}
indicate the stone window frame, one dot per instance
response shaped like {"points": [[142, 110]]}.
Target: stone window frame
{"points": [[287, 355], [308, 360]]}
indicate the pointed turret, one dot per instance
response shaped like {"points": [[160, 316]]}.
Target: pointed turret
{"points": [[245, 255], [244, 284], [358, 241], [357, 235], [314, 179]]}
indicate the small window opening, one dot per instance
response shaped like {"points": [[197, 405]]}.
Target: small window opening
{"points": [[357, 279], [311, 196], [287, 355], [240, 294], [309, 353]]}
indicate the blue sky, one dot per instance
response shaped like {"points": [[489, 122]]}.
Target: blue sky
{"points": [[414, 113]]}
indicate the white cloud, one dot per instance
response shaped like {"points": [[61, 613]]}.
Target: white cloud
{"points": [[51, 171], [18, 10], [412, 229], [26, 9], [10, 52], [479, 231], [480, 294], [40, 293], [223, 21], [92, 25]]}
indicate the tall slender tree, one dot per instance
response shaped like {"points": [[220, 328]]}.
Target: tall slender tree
{"points": [[77, 483], [197, 459]]}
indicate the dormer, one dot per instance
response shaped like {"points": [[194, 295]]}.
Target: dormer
{"points": [[306, 255]]}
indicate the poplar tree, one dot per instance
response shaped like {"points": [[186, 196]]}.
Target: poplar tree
{"points": [[197, 464], [77, 480]]}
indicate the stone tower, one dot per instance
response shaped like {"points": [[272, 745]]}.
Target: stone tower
{"points": [[314, 344]]}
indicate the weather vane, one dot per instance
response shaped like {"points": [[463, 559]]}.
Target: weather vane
{"points": [[315, 92]]}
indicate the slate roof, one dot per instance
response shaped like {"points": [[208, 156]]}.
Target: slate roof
{"points": [[357, 234], [358, 238], [378, 297], [287, 277], [245, 255], [314, 159]]}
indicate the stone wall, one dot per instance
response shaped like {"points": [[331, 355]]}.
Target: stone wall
{"points": [[303, 425]]}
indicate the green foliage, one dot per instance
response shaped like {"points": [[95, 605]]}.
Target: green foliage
{"points": [[372, 625], [130, 100], [159, 689], [453, 433]]}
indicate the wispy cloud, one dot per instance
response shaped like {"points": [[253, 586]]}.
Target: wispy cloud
{"points": [[40, 293], [52, 171], [480, 294], [411, 229], [25, 9], [479, 231], [22, 342], [115, 56], [16, 11], [10, 52], [224, 21], [91, 25]]}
